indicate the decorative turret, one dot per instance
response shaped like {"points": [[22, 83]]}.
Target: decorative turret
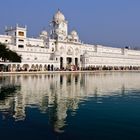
{"points": [[58, 17], [18, 35], [59, 27], [74, 36], [43, 34]]}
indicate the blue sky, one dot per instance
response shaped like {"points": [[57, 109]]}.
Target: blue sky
{"points": [[107, 22]]}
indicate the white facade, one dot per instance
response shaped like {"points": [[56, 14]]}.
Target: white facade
{"points": [[60, 50]]}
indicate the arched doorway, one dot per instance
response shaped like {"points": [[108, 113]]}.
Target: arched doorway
{"points": [[61, 63], [36, 67], [69, 60], [32, 67], [76, 62], [48, 67], [9, 67], [25, 67], [69, 63], [14, 67], [40, 67], [18, 67], [52, 67], [45, 67]]}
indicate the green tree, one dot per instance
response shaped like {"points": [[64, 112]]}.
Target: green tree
{"points": [[7, 54]]}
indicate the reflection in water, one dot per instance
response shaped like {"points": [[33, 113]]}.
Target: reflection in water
{"points": [[56, 94], [7, 90]]}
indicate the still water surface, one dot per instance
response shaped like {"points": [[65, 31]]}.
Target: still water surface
{"points": [[70, 106]]}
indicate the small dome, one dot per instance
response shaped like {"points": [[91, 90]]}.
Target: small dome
{"points": [[74, 36], [74, 33], [44, 33], [59, 17]]}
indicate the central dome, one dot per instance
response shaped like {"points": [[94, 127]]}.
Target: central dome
{"points": [[59, 17]]}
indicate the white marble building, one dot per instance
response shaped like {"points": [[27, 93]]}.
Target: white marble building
{"points": [[60, 49]]}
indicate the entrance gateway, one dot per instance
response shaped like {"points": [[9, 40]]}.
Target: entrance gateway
{"points": [[71, 64]]}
